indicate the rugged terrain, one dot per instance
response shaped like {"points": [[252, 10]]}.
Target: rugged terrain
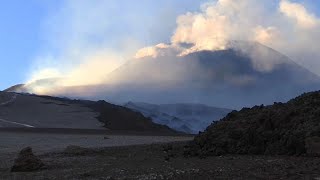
{"points": [[279, 141], [160, 161], [291, 128]]}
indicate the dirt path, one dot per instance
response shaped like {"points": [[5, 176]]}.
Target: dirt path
{"points": [[5, 123], [11, 100]]}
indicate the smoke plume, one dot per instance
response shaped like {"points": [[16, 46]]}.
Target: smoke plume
{"points": [[290, 28]]}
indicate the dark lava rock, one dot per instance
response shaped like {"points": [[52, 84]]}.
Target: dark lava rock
{"points": [[124, 119], [27, 161], [291, 128]]}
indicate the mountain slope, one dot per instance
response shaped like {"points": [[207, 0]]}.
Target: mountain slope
{"points": [[189, 118], [21, 110], [243, 75]]}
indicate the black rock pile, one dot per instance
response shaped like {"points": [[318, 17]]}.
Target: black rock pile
{"points": [[27, 162]]}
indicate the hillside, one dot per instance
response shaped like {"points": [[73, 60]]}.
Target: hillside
{"points": [[32, 111], [291, 128]]}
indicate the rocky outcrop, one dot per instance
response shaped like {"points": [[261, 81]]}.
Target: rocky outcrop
{"points": [[291, 128], [27, 161]]}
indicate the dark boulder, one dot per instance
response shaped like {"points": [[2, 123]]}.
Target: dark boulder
{"points": [[27, 161]]}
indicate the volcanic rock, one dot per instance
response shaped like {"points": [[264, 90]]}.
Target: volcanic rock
{"points": [[291, 128], [27, 161], [313, 146]]}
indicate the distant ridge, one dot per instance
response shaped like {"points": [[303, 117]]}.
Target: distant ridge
{"points": [[15, 88]]}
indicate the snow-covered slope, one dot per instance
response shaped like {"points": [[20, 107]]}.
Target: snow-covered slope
{"points": [[190, 118]]}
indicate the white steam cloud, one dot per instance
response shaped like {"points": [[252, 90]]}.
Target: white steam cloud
{"points": [[86, 59], [81, 56], [299, 14], [290, 28]]}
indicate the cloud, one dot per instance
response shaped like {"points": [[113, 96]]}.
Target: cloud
{"points": [[285, 26], [299, 14], [44, 73], [87, 46], [93, 70], [79, 48], [151, 51], [90, 68], [266, 35], [85, 40], [216, 24]]}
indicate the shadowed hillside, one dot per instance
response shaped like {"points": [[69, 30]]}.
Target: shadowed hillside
{"points": [[121, 118], [291, 128], [33, 111], [117, 117]]}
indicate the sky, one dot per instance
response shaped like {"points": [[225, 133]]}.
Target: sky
{"points": [[26, 28], [19, 38], [36, 36]]}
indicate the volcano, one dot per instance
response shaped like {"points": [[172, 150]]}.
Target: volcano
{"points": [[243, 74]]}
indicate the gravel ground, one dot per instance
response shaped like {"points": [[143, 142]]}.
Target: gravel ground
{"points": [[164, 161], [49, 143]]}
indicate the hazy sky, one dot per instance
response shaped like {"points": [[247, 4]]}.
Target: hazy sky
{"points": [[36, 30], [25, 27]]}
